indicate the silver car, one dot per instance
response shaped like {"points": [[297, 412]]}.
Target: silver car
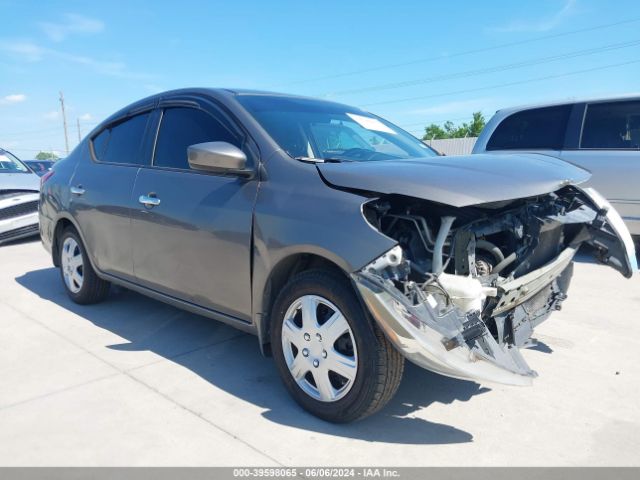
{"points": [[602, 136], [342, 242], [19, 188]]}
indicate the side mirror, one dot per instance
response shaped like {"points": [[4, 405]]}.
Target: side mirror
{"points": [[220, 157]]}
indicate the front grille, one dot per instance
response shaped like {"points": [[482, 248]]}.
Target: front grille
{"points": [[19, 210], [19, 232]]}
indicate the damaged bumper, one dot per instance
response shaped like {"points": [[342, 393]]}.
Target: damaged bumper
{"points": [[441, 339], [444, 331]]}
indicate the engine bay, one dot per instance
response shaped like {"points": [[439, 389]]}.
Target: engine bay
{"points": [[506, 266]]}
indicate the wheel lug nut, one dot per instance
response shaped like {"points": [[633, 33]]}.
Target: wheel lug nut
{"points": [[318, 337], [305, 352], [307, 337], [324, 354], [316, 363]]}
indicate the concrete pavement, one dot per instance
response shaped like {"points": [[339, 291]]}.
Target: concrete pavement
{"points": [[135, 382]]}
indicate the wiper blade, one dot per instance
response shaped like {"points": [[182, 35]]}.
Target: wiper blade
{"points": [[321, 160], [309, 159], [336, 160]]}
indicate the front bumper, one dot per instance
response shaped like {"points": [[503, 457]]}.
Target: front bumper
{"points": [[445, 340], [425, 333], [18, 227]]}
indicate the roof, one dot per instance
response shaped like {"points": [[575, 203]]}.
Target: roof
{"points": [[569, 101]]}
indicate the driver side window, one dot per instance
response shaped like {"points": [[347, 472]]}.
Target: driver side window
{"points": [[181, 127]]}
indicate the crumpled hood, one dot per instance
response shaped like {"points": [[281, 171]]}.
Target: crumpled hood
{"points": [[19, 181], [458, 181]]}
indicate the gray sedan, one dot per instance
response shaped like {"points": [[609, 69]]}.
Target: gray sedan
{"points": [[342, 242]]}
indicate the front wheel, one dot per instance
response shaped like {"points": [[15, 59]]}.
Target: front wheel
{"points": [[334, 361]]}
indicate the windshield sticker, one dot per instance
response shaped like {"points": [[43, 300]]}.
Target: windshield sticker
{"points": [[370, 123]]}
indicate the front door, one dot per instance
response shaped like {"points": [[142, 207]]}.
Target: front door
{"points": [[194, 244]]}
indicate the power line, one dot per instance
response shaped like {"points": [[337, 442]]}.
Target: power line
{"points": [[486, 70], [463, 53], [500, 85]]}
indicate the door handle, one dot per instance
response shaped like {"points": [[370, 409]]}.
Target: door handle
{"points": [[149, 200], [77, 190]]}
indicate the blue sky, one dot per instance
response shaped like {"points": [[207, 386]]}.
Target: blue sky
{"points": [[413, 62]]}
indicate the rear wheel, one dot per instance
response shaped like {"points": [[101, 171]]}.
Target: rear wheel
{"points": [[333, 360], [80, 280]]}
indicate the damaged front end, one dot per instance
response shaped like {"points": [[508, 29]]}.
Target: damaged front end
{"points": [[464, 288]]}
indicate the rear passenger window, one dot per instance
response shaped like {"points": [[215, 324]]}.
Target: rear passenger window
{"points": [[122, 142], [612, 125], [540, 128], [182, 127]]}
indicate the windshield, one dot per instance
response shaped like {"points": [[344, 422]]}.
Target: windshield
{"points": [[315, 129], [10, 164]]}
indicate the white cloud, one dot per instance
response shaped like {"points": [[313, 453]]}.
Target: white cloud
{"points": [[71, 23], [32, 52], [541, 24], [85, 117], [13, 98], [23, 50]]}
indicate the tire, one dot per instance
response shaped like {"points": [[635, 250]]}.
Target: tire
{"points": [[378, 365], [78, 276]]}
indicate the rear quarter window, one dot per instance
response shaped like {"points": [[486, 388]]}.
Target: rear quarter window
{"points": [[539, 128], [612, 125]]}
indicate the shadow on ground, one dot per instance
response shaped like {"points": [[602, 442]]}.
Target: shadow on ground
{"points": [[231, 361]]}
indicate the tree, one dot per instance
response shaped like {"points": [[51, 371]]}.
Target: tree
{"points": [[450, 130], [46, 156]]}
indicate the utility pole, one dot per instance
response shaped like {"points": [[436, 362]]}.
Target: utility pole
{"points": [[64, 121], [79, 135]]}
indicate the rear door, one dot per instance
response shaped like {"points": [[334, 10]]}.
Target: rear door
{"points": [[101, 191], [609, 147], [195, 244]]}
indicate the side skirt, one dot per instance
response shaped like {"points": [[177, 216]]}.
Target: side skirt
{"points": [[235, 322]]}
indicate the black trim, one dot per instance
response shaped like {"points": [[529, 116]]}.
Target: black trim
{"points": [[244, 325], [574, 126], [19, 210]]}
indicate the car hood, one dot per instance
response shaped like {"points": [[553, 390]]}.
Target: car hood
{"points": [[19, 181], [458, 181]]}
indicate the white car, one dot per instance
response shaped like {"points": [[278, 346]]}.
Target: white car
{"points": [[19, 194], [601, 135]]}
